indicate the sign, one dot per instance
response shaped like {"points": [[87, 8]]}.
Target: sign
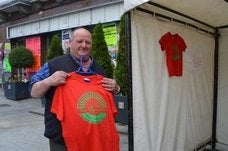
{"points": [[6, 64], [66, 36], [110, 35]]}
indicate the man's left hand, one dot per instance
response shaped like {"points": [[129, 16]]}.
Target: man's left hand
{"points": [[110, 85]]}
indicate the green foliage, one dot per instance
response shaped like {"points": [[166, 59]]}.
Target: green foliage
{"points": [[21, 57], [120, 72], [55, 48], [100, 50]]}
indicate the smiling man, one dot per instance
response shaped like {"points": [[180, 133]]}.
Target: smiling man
{"points": [[56, 72]]}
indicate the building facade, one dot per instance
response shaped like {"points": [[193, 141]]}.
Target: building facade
{"points": [[32, 23]]}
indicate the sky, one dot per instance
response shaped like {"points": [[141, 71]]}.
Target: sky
{"points": [[3, 1], [6, 1]]}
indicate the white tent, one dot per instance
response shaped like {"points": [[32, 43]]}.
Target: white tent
{"points": [[185, 112]]}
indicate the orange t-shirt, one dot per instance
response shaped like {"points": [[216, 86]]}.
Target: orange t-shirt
{"points": [[86, 111]]}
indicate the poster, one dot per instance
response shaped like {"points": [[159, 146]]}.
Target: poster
{"points": [[6, 64], [110, 34], [33, 44], [66, 36]]}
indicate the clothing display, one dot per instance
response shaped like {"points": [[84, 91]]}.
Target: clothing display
{"points": [[173, 45], [86, 112]]}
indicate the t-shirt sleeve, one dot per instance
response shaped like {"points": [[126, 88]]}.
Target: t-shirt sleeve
{"points": [[182, 45], [162, 42], [57, 103], [112, 105]]}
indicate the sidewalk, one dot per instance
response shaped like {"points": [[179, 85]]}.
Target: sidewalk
{"points": [[22, 126]]}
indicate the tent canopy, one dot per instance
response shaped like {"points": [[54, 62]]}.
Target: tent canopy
{"points": [[203, 10], [153, 93]]}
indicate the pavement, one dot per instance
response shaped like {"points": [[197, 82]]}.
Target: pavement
{"points": [[22, 126]]}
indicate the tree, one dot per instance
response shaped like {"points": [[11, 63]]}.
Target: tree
{"points": [[100, 50], [55, 48], [120, 72], [20, 58]]}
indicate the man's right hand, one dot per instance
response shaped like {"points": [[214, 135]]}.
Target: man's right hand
{"points": [[59, 77], [40, 88]]}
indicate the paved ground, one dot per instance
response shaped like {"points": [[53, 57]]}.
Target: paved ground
{"points": [[21, 126]]}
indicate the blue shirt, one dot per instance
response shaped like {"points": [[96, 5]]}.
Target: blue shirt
{"points": [[42, 74]]}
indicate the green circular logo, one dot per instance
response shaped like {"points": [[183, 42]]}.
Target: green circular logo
{"points": [[92, 107]]}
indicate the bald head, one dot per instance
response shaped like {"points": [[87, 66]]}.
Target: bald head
{"points": [[81, 43], [80, 31]]}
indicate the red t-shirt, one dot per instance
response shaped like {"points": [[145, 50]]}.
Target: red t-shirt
{"points": [[86, 111], [173, 45]]}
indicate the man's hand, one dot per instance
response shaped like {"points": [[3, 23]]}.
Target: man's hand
{"points": [[59, 77], [40, 88], [110, 85]]}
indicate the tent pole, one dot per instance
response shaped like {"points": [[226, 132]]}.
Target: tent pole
{"points": [[221, 27], [130, 93], [215, 93]]}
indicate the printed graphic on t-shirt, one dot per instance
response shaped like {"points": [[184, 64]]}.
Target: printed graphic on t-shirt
{"points": [[175, 53], [92, 107]]}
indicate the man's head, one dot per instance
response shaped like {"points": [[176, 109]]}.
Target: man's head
{"points": [[80, 43]]}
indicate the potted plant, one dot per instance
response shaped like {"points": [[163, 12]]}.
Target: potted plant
{"points": [[16, 88]]}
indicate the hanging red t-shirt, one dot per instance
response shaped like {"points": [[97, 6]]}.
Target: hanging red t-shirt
{"points": [[173, 45], [86, 111]]}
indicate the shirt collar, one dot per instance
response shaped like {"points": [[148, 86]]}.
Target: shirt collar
{"points": [[78, 61]]}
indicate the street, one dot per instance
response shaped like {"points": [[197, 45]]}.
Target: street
{"points": [[22, 126]]}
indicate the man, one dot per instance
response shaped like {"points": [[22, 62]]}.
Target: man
{"points": [[56, 71]]}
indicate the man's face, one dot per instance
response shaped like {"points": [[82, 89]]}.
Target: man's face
{"points": [[81, 43]]}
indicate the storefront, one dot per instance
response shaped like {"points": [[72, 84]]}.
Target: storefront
{"points": [[35, 31]]}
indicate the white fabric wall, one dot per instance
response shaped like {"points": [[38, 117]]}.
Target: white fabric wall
{"points": [[222, 120], [170, 114]]}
